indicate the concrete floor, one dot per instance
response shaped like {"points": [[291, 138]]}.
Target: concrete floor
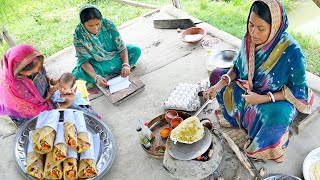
{"points": [[165, 62]]}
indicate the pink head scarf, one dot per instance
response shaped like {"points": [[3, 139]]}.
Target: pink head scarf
{"points": [[19, 98]]}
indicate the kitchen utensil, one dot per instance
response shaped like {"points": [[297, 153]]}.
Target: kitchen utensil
{"points": [[182, 151], [309, 161], [94, 125], [174, 23], [224, 58]]}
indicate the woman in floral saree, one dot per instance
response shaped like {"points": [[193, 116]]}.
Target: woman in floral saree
{"points": [[100, 49], [266, 87]]}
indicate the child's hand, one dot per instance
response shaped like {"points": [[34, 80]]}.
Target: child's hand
{"points": [[51, 90], [54, 88]]}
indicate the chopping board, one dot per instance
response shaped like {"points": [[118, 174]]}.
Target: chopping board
{"points": [[135, 87]]}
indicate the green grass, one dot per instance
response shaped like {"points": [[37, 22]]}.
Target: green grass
{"points": [[49, 24]]}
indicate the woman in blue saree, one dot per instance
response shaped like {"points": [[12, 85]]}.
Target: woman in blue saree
{"points": [[266, 87], [100, 49]]}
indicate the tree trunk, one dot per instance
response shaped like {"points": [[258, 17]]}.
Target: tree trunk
{"points": [[317, 2]]}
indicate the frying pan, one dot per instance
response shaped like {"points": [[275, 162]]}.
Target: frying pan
{"points": [[174, 23], [183, 151]]}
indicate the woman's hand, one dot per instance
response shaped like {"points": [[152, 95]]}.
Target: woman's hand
{"points": [[51, 90], [101, 81], [255, 98], [212, 92], [53, 81], [125, 71]]}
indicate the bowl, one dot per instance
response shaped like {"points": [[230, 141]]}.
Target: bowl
{"points": [[165, 132], [160, 149], [209, 44], [175, 121], [193, 35], [170, 115], [224, 58]]}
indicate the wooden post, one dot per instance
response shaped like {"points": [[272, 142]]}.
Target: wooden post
{"points": [[7, 37], [176, 3], [317, 2], [1, 38], [138, 4]]}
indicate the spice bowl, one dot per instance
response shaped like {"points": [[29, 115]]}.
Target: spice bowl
{"points": [[160, 149], [170, 115], [165, 132], [175, 122]]}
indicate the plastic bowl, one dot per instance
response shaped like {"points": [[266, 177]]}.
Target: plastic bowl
{"points": [[210, 43], [193, 35]]}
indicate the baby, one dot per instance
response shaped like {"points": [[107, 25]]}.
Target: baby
{"points": [[66, 82]]}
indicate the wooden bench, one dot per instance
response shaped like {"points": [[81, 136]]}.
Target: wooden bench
{"points": [[302, 120]]}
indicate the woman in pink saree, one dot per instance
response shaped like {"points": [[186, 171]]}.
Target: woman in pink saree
{"points": [[24, 84]]}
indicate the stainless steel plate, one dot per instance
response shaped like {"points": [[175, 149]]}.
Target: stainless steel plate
{"points": [[308, 162], [282, 177], [107, 146], [224, 58], [183, 151]]}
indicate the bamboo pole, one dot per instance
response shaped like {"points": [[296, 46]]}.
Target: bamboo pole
{"points": [[7, 37], [138, 4], [317, 2], [176, 3], [1, 38]]}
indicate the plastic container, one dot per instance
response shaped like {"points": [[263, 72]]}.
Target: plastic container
{"points": [[145, 129], [144, 140], [210, 67]]}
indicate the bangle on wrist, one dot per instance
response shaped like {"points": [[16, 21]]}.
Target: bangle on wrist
{"points": [[226, 78], [125, 64], [58, 106], [96, 77], [271, 96]]}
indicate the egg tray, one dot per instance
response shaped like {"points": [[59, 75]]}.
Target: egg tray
{"points": [[184, 97]]}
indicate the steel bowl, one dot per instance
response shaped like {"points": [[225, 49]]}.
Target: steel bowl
{"points": [[107, 144], [224, 58]]}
